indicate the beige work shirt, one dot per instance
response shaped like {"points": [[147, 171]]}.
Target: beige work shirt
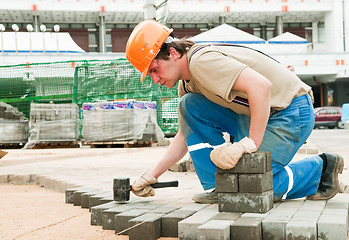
{"points": [[214, 70]]}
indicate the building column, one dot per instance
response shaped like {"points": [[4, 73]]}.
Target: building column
{"points": [[334, 28], [315, 32], [36, 22], [102, 32], [149, 10], [279, 25], [263, 31], [345, 6]]}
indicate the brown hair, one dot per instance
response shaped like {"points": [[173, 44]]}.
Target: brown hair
{"points": [[182, 46]]}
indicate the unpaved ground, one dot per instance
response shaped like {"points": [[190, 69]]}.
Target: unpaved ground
{"points": [[30, 212]]}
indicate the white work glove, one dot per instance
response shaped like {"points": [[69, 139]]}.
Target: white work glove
{"points": [[227, 156], [141, 187]]}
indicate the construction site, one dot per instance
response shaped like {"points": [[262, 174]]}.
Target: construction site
{"points": [[75, 120]]}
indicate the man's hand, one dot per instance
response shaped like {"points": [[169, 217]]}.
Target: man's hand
{"points": [[227, 156], [142, 188]]}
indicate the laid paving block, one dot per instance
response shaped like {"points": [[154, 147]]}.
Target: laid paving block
{"points": [[301, 228], [170, 222], [108, 215], [332, 227], [59, 186], [247, 228], [96, 200], [3, 178], [121, 220], [227, 216], [215, 230], [77, 195], [245, 202], [256, 183], [69, 195], [97, 212], [147, 226], [164, 209], [274, 224], [85, 198], [20, 179], [34, 179], [258, 162], [187, 228], [195, 206], [227, 182]]}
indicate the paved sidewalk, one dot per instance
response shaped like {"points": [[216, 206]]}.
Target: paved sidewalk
{"points": [[96, 168]]}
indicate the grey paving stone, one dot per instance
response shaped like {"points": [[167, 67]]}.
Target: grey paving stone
{"points": [[164, 209], [69, 195], [85, 197], [258, 162], [255, 183], [96, 200], [170, 222], [20, 179], [247, 228], [147, 226], [187, 228], [332, 227], [121, 220], [226, 182], [108, 215], [97, 212], [59, 186], [215, 230], [274, 224], [298, 228], [245, 202], [195, 206], [77, 195], [3, 178], [227, 216]]}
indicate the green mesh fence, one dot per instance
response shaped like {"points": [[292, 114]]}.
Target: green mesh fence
{"points": [[85, 81]]}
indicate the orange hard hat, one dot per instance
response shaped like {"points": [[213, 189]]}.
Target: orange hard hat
{"points": [[144, 44]]}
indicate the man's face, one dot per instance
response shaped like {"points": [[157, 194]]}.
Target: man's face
{"points": [[165, 72]]}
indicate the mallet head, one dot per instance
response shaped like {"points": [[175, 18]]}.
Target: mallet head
{"points": [[121, 189]]}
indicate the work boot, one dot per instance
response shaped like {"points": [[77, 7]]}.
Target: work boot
{"points": [[206, 197], [329, 184]]}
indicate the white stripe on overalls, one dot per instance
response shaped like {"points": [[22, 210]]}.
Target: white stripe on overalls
{"points": [[202, 146], [290, 180]]}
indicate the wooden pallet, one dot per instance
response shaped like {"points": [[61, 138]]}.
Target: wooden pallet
{"points": [[11, 145], [120, 144], [67, 144]]}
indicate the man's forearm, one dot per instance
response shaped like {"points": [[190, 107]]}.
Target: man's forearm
{"points": [[176, 150]]}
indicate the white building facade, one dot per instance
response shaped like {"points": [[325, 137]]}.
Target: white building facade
{"points": [[101, 29]]}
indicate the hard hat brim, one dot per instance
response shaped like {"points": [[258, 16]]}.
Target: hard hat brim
{"points": [[144, 74]]}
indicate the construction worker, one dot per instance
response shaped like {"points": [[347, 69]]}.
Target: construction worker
{"points": [[241, 91]]}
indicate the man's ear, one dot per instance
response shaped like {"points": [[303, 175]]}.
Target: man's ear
{"points": [[173, 52]]}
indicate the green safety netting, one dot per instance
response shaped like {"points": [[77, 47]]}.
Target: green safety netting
{"points": [[85, 81]]}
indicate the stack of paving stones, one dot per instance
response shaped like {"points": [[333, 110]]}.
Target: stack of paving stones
{"points": [[13, 126], [248, 186]]}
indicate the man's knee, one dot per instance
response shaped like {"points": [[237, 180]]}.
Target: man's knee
{"points": [[188, 101]]}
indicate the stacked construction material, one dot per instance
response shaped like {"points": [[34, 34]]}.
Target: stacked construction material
{"points": [[53, 123], [13, 126], [248, 186], [127, 120]]}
